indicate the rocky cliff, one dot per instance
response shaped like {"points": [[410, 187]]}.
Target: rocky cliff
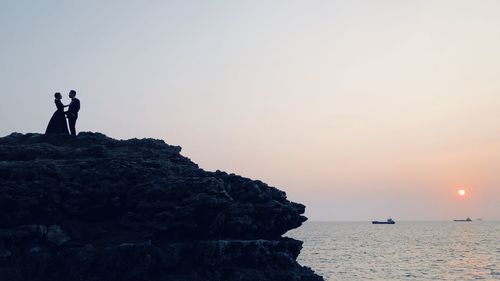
{"points": [[91, 208]]}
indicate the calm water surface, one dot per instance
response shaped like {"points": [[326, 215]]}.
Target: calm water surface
{"points": [[404, 251]]}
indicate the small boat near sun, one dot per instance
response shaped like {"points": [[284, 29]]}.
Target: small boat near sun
{"points": [[389, 221], [467, 219]]}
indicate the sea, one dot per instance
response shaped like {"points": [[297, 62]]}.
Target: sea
{"points": [[403, 251]]}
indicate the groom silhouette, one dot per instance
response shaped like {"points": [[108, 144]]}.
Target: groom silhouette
{"points": [[72, 113]]}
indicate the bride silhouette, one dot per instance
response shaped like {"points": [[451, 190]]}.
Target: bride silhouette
{"points": [[57, 124]]}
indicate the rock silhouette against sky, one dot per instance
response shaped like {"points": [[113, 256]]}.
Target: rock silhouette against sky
{"points": [[95, 208]]}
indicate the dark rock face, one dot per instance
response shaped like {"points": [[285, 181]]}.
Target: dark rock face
{"points": [[91, 208]]}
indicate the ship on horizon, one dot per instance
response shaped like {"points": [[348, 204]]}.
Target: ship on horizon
{"points": [[389, 221], [467, 219]]}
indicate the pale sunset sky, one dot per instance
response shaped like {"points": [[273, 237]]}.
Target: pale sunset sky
{"points": [[360, 110]]}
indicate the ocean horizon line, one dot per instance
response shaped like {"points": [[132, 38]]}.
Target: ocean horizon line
{"points": [[402, 220]]}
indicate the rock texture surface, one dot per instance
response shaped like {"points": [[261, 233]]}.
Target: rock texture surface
{"points": [[93, 208]]}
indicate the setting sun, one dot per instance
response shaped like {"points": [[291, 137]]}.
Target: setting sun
{"points": [[461, 192]]}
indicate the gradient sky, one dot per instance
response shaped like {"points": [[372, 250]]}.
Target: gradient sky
{"points": [[358, 109]]}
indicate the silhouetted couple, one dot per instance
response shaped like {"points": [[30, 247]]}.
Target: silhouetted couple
{"points": [[57, 124]]}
